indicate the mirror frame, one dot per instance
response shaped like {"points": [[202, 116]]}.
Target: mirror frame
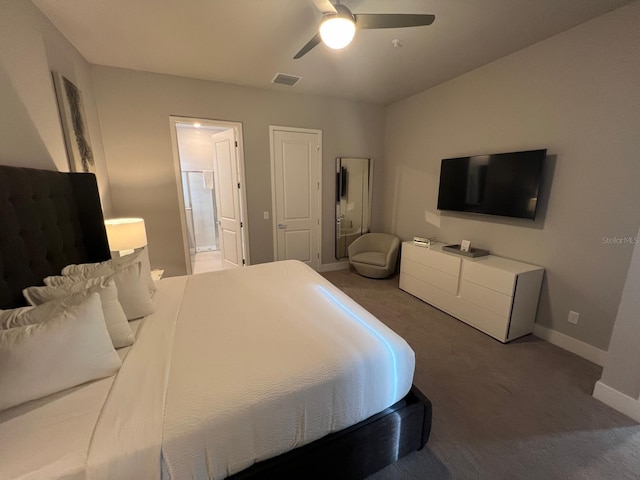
{"points": [[340, 185]]}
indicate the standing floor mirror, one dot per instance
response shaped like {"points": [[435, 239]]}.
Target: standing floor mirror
{"points": [[354, 179]]}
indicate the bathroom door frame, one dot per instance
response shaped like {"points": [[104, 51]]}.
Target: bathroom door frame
{"points": [[242, 191]]}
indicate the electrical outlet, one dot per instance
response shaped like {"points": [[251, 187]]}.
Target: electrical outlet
{"points": [[573, 317], [266, 215]]}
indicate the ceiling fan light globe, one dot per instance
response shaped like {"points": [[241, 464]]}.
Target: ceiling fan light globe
{"points": [[337, 32]]}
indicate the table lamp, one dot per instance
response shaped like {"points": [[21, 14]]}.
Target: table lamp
{"points": [[125, 235]]}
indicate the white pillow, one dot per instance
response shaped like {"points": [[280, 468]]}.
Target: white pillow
{"points": [[15, 317], [132, 290], [141, 256], [52, 300], [68, 350]]}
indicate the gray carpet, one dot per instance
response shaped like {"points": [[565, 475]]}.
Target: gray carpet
{"points": [[520, 410]]}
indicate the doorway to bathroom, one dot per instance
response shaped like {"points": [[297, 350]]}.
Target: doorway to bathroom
{"points": [[200, 210], [210, 176]]}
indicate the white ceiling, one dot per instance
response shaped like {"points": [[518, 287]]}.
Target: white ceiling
{"points": [[246, 42]]}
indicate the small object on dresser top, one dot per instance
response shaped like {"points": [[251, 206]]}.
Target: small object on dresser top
{"points": [[423, 242], [465, 245], [156, 275], [472, 252]]}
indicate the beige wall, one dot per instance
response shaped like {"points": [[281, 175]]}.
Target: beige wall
{"points": [[30, 131], [622, 368], [577, 94], [134, 110]]}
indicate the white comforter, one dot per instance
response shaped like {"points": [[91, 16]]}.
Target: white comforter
{"points": [[237, 367]]}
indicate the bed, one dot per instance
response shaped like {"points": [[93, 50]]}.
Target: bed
{"points": [[263, 372]]}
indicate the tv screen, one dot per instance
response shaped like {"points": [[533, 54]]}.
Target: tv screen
{"points": [[504, 184]]}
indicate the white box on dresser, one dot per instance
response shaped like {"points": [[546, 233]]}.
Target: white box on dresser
{"points": [[493, 294]]}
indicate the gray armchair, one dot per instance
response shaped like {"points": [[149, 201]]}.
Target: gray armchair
{"points": [[374, 255]]}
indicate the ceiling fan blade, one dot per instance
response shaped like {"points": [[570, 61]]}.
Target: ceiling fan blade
{"points": [[310, 44], [325, 6], [392, 20]]}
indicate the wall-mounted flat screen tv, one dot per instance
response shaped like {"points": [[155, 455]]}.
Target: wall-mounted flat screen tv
{"points": [[504, 184]]}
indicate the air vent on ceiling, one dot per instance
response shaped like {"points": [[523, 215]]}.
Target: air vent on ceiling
{"points": [[284, 79]]}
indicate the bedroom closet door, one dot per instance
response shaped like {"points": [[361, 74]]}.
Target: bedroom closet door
{"points": [[227, 197], [296, 190]]}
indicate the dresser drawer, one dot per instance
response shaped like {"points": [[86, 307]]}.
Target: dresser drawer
{"points": [[437, 278], [499, 280], [483, 319], [432, 258], [430, 294], [492, 300]]}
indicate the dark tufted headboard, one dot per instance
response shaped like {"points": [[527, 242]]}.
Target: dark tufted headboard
{"points": [[47, 220]]}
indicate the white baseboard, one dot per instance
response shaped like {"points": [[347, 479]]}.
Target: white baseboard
{"points": [[617, 400], [584, 350], [332, 267]]}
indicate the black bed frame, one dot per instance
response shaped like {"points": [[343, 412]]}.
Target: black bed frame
{"points": [[51, 219], [47, 221], [355, 452]]}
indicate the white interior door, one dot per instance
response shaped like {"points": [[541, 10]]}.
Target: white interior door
{"points": [[225, 164], [296, 191]]}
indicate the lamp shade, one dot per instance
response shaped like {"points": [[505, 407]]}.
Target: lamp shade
{"points": [[125, 233]]}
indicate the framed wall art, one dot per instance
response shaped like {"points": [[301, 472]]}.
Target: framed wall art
{"points": [[74, 126]]}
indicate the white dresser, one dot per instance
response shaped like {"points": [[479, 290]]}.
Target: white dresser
{"points": [[493, 294]]}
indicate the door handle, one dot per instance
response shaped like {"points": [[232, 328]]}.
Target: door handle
{"points": [[282, 226]]}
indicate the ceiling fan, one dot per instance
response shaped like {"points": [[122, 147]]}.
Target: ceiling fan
{"points": [[339, 25]]}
